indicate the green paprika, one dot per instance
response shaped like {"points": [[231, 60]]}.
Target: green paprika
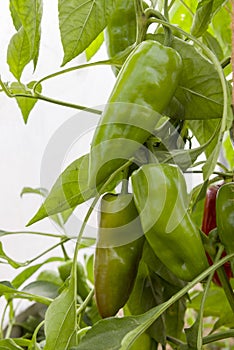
{"points": [[161, 198], [121, 29], [143, 89], [118, 251], [225, 217], [82, 285]]}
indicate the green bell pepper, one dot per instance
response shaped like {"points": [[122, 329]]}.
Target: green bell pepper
{"points": [[118, 251], [161, 198], [225, 217], [144, 87], [121, 29]]}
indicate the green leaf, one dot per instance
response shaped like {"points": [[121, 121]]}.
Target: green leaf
{"points": [[25, 104], [42, 288], [18, 53], [80, 22], [29, 271], [221, 28], [50, 276], [15, 18], [10, 261], [147, 293], [29, 13], [60, 321], [212, 43], [94, 46], [228, 149], [9, 344], [29, 190], [204, 130], [199, 90], [107, 334], [70, 189], [183, 15], [205, 11]]}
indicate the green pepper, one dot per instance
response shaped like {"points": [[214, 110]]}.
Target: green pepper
{"points": [[118, 251], [121, 29], [225, 217], [82, 285], [143, 89], [143, 342], [161, 198]]}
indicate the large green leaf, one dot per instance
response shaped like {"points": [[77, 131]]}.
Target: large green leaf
{"points": [[60, 321], [221, 28], [199, 90], [70, 189], [80, 22]]}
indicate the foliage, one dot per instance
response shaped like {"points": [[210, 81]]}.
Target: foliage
{"points": [[198, 121]]}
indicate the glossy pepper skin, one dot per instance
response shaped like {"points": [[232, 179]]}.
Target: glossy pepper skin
{"points": [[161, 198], [121, 29], [209, 223], [225, 217], [144, 87], [118, 251]]}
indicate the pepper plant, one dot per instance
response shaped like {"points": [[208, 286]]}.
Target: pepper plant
{"points": [[163, 259]]}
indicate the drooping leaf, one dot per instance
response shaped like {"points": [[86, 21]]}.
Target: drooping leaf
{"points": [[70, 189], [147, 293], [29, 13], [94, 46], [228, 149], [221, 28], [9, 260], [18, 53], [42, 288], [25, 104], [204, 13], [60, 321], [212, 43], [29, 271], [41, 191], [80, 22]]}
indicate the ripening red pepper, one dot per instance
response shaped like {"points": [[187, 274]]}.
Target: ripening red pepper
{"points": [[209, 223]]}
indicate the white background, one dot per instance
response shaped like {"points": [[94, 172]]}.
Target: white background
{"points": [[23, 146]]}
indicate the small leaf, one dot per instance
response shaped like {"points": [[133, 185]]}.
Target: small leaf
{"points": [[70, 189], [80, 22], [29, 271], [15, 18], [25, 104], [42, 288], [228, 149], [29, 190], [60, 321], [10, 261], [94, 46]]}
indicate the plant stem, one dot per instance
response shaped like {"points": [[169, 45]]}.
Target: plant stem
{"points": [[218, 336], [141, 21], [226, 287]]}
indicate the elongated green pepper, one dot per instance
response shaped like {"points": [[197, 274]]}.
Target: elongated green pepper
{"points": [[161, 198], [225, 217], [118, 251], [121, 29], [144, 87]]}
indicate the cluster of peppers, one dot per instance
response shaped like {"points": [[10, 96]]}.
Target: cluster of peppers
{"points": [[157, 209]]}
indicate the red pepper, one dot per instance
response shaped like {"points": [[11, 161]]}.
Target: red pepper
{"points": [[209, 223]]}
